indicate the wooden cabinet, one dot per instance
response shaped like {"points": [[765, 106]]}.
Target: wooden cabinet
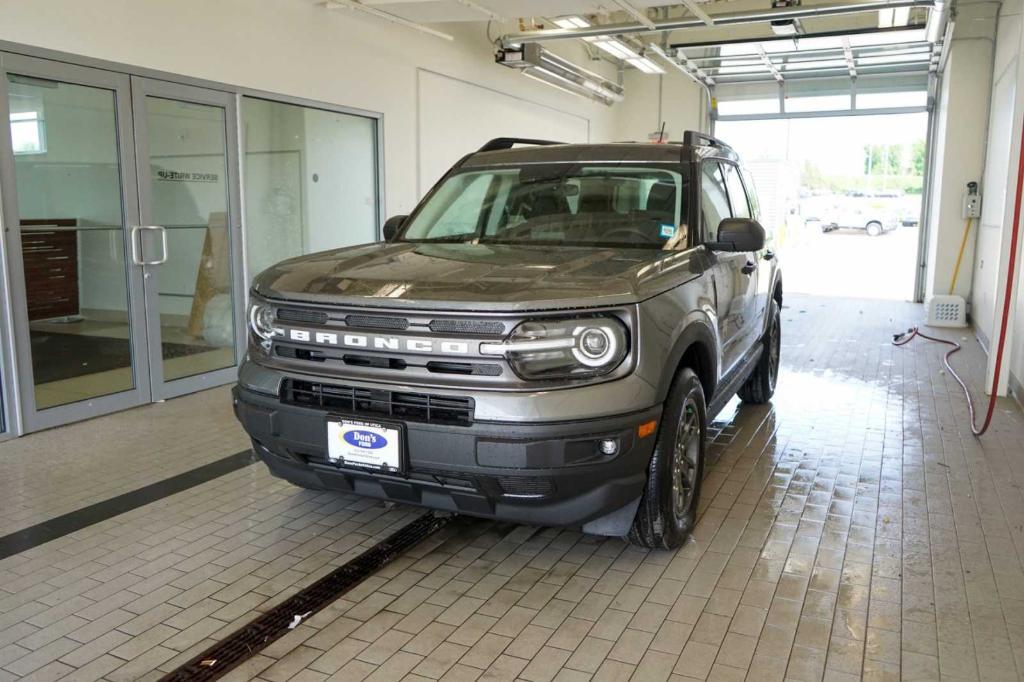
{"points": [[50, 257]]}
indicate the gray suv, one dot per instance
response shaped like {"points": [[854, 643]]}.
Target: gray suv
{"points": [[542, 340]]}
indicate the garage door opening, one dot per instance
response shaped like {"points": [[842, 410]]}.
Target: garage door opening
{"points": [[841, 197]]}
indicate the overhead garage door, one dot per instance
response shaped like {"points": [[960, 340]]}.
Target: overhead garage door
{"points": [[861, 72]]}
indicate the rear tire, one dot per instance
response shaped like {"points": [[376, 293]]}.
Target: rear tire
{"points": [[760, 385], [668, 510], [874, 228]]}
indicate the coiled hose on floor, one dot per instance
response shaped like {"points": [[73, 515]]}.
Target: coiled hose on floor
{"points": [[1011, 271]]}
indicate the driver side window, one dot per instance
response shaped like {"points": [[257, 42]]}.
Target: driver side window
{"points": [[714, 200]]}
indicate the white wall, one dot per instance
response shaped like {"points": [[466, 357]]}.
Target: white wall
{"points": [[961, 121], [456, 117], [297, 48], [672, 98], [999, 185]]}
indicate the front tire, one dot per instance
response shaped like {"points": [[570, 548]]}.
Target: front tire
{"points": [[668, 510], [760, 385], [874, 228]]}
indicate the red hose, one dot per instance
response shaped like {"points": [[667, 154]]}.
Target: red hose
{"points": [[903, 339]]}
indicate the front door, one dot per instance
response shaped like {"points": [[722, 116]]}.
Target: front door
{"points": [[120, 207], [186, 242], [734, 274]]}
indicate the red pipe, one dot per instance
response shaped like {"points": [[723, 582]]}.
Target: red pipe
{"points": [[1004, 325]]}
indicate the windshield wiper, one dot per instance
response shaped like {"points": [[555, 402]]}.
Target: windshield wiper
{"points": [[452, 238]]}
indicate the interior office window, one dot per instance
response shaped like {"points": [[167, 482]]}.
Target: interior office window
{"points": [[28, 126], [310, 180]]}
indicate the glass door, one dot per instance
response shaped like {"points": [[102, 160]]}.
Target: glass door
{"points": [[68, 173], [187, 242]]}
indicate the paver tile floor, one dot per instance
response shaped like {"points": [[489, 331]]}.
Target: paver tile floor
{"points": [[853, 528]]}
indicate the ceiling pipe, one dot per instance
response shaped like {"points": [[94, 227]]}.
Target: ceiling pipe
{"points": [[724, 19]]}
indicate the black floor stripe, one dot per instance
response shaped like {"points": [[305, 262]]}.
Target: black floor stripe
{"points": [[249, 640], [33, 536]]}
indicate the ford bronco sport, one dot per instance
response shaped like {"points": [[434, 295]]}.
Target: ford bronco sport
{"points": [[542, 340]]}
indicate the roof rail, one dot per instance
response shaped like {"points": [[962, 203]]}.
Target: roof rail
{"points": [[696, 139], [508, 142]]}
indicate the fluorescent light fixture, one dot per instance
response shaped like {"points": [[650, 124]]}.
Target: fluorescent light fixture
{"points": [[901, 16], [646, 65], [610, 44], [615, 48], [885, 17], [571, 22], [539, 64]]}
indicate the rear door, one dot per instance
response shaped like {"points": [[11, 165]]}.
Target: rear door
{"points": [[730, 282]]}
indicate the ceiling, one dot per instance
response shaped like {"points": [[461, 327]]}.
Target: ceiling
{"points": [[443, 11]]}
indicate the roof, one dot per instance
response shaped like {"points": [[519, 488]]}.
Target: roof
{"points": [[560, 153], [617, 152]]}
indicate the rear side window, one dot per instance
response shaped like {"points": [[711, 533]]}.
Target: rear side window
{"points": [[737, 195], [714, 201]]}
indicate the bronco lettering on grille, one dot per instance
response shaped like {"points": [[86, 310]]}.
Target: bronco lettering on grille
{"points": [[380, 342]]}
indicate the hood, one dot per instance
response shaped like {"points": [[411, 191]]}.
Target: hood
{"points": [[477, 276]]}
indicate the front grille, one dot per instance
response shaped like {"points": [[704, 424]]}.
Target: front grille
{"points": [[490, 328], [466, 368], [524, 486], [376, 322], [298, 315], [415, 407]]}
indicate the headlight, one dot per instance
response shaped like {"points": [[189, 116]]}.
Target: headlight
{"points": [[558, 349], [261, 321]]}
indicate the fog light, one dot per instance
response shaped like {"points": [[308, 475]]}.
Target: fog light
{"points": [[609, 446]]}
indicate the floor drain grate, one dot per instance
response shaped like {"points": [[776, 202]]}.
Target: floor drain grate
{"points": [[260, 633]]}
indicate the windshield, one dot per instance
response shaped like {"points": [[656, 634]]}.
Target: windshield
{"points": [[566, 204]]}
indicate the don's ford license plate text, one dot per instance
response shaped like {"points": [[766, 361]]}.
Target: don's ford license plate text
{"points": [[364, 444]]}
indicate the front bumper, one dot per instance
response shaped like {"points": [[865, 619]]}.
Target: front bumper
{"points": [[536, 473]]}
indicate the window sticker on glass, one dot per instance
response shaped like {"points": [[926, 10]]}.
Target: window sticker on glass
{"points": [[667, 231]]}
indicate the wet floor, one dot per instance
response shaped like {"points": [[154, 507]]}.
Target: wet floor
{"points": [[852, 528]]}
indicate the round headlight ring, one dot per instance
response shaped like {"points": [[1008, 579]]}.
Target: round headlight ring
{"points": [[586, 354], [261, 321]]}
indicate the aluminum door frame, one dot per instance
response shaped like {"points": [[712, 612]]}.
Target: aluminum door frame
{"points": [[31, 418], [141, 88]]}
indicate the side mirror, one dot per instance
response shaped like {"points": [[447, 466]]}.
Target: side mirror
{"points": [[392, 225], [738, 234]]}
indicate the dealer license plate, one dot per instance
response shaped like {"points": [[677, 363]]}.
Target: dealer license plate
{"points": [[364, 444]]}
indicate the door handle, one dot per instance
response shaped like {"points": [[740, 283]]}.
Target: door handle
{"points": [[137, 257], [749, 267]]}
